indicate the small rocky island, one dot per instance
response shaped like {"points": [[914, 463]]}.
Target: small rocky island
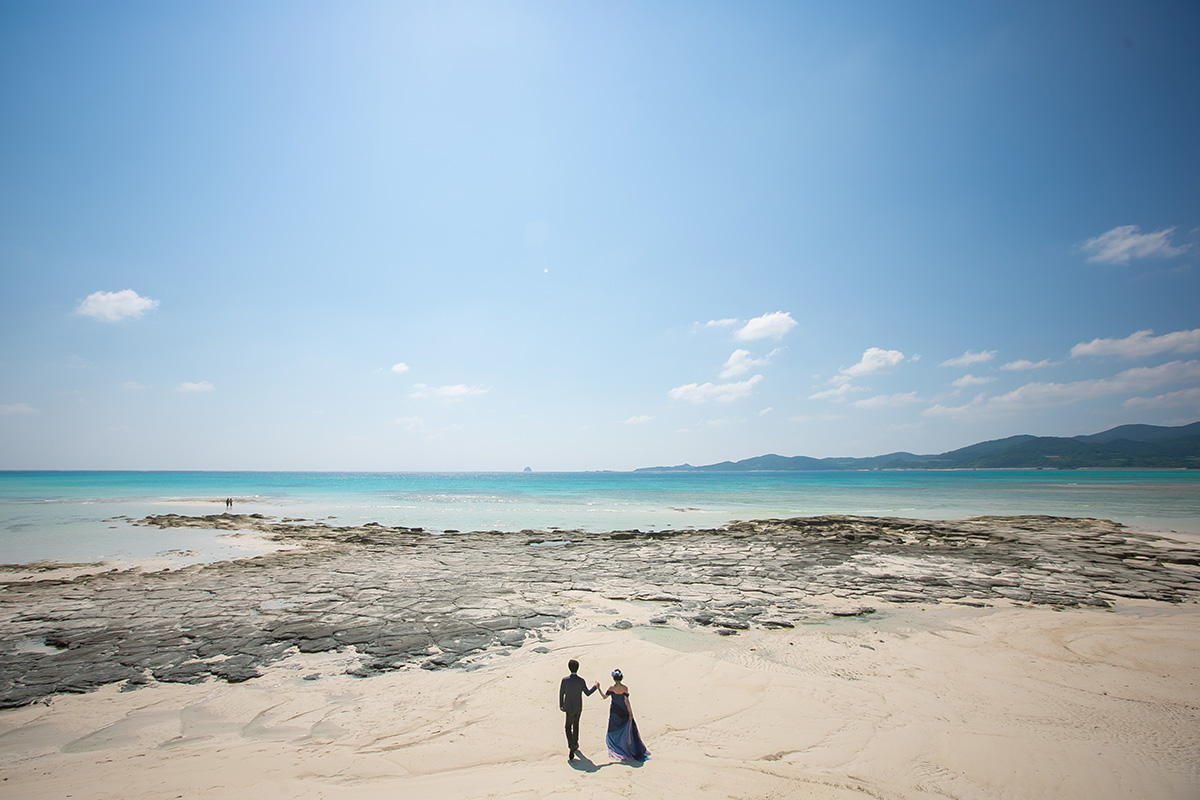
{"points": [[403, 597]]}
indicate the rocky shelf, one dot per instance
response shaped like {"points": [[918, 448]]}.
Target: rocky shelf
{"points": [[402, 597]]}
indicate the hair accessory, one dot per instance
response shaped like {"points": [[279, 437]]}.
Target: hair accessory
{"points": [[616, 673]]}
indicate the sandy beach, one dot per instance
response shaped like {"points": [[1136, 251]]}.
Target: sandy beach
{"points": [[832, 370], [837, 693]]}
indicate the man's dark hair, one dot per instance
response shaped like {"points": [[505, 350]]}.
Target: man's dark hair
{"points": [[573, 665]]}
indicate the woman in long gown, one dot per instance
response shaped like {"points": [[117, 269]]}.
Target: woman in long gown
{"points": [[623, 740]]}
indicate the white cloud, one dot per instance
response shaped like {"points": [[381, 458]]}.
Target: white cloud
{"points": [[766, 411], [1142, 343], [400, 368], [200, 386], [740, 362], [17, 409], [638, 420], [1124, 242], [721, 392], [972, 380], [1184, 397], [411, 424], [721, 323], [970, 357], [964, 410], [134, 386], [875, 360], [839, 392], [452, 393], [888, 401], [1043, 395], [775, 324], [1023, 364], [115, 306]]}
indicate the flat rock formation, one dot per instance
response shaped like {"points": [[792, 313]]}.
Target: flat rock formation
{"points": [[402, 597]]}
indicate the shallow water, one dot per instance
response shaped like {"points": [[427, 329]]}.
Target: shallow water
{"points": [[70, 516]]}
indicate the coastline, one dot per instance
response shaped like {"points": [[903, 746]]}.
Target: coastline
{"points": [[828, 657], [80, 517]]}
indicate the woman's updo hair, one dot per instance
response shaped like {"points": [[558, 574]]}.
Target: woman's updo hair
{"points": [[616, 673]]}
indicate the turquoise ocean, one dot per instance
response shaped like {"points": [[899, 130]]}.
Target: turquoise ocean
{"points": [[77, 516]]}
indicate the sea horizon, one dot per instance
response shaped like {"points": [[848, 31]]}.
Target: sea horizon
{"points": [[88, 515], [635, 470]]}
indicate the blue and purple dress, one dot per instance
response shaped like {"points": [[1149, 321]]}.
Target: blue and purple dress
{"points": [[624, 742]]}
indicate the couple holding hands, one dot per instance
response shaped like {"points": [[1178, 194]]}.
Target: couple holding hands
{"points": [[624, 742]]}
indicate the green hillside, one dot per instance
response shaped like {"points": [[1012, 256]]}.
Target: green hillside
{"points": [[1123, 447]]}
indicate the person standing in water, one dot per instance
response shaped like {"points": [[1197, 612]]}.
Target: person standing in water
{"points": [[623, 740]]}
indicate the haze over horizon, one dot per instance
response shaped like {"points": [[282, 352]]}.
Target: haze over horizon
{"points": [[481, 236]]}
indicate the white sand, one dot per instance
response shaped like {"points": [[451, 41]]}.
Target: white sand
{"points": [[914, 702]]}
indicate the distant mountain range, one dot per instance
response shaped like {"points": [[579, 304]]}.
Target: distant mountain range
{"points": [[1123, 447]]}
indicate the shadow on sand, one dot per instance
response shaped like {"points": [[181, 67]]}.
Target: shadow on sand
{"points": [[584, 764]]}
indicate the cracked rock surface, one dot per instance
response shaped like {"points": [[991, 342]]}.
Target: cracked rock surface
{"points": [[401, 597]]}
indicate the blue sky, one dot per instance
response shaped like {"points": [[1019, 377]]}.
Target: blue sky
{"points": [[425, 236]]}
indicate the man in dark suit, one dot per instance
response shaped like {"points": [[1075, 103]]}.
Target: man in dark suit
{"points": [[570, 701]]}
